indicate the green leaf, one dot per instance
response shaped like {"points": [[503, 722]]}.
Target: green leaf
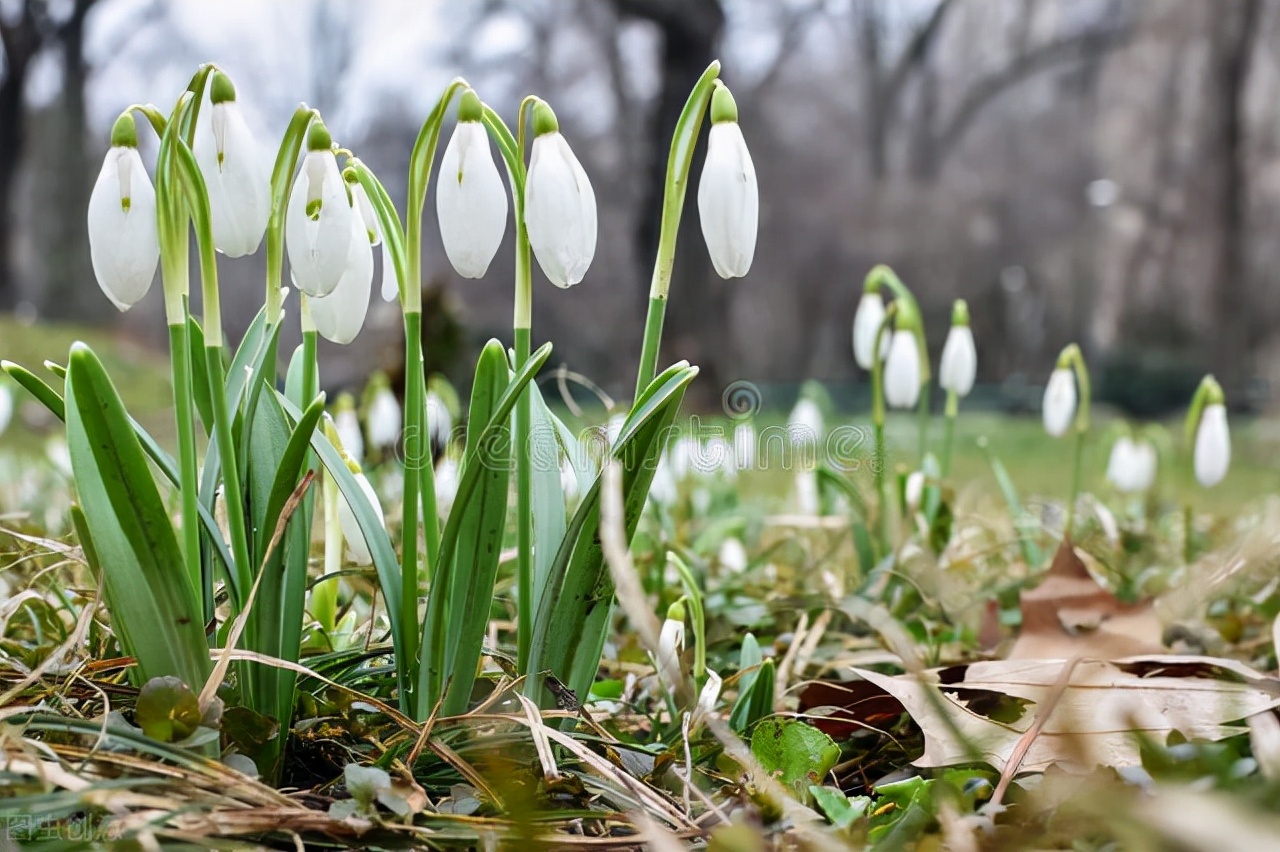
{"points": [[167, 710], [467, 582], [573, 611], [463, 529], [1030, 550], [755, 701], [843, 811], [549, 519], [199, 374], [153, 606], [47, 396], [798, 754]]}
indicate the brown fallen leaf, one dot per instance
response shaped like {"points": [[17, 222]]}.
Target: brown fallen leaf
{"points": [[1069, 615], [1095, 719]]}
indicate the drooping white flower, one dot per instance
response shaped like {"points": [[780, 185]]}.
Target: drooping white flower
{"points": [[347, 424], [732, 556], [382, 421], [317, 227], [124, 244], [471, 202], [806, 491], [728, 195], [708, 696], [902, 371], [959, 365], [671, 639], [866, 322], [559, 204], [340, 315], [357, 547], [447, 477], [1059, 402], [390, 281], [805, 424], [235, 172], [1213, 445], [913, 490], [613, 427], [1131, 467]]}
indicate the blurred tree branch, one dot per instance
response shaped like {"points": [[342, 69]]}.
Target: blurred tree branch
{"points": [[33, 29]]}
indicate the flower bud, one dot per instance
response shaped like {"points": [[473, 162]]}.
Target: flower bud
{"points": [[340, 315], [1213, 445], [1059, 402], [728, 195], [913, 490], [471, 202], [959, 364], [347, 425], [671, 640], [559, 204], [124, 244], [447, 477], [902, 370], [1131, 467], [866, 323], [382, 420]]}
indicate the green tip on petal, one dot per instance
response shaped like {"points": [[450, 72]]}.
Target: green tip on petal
{"points": [[675, 612], [907, 317], [222, 90], [544, 119], [723, 106], [1213, 394], [350, 176], [470, 108], [318, 138], [960, 312], [124, 133]]}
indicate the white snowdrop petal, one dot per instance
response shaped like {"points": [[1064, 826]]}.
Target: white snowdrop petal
{"points": [[1213, 446], [124, 246], [1059, 402], [347, 424], [959, 365], [340, 315], [729, 201], [238, 179], [866, 322], [357, 547], [902, 371], [560, 211], [382, 427], [318, 248], [471, 201]]}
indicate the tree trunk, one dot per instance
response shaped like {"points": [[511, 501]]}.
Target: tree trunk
{"points": [[12, 128]]}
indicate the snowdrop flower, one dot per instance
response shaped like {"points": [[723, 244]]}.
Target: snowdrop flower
{"points": [[124, 244], [382, 420], [6, 407], [1059, 401], [471, 202], [720, 457], [707, 697], [447, 477], [728, 196], [663, 490], [732, 556], [1213, 445], [235, 172], [913, 490], [357, 547], [340, 315], [959, 363], [671, 640], [318, 227], [569, 480], [559, 204], [1131, 467], [806, 491], [902, 370], [866, 323], [347, 424], [805, 425], [613, 427]]}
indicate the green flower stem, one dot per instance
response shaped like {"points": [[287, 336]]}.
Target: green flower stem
{"points": [[512, 150], [679, 163], [922, 418], [1076, 476], [693, 595], [1071, 356], [188, 475], [877, 421], [415, 446], [949, 431]]}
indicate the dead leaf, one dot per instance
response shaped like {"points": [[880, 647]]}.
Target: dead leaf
{"points": [[1096, 717], [1069, 615]]}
